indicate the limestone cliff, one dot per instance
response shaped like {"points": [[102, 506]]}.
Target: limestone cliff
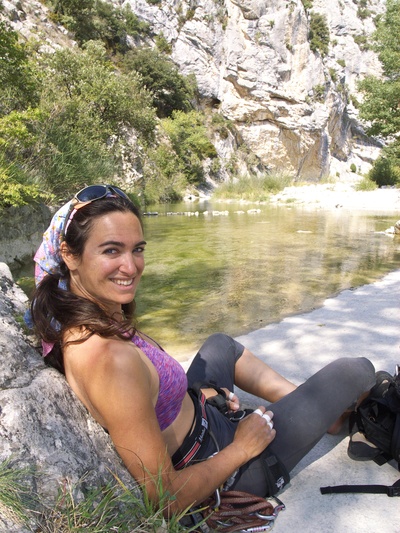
{"points": [[252, 60], [291, 106]]}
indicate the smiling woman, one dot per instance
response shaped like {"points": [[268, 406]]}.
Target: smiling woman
{"points": [[163, 422]]}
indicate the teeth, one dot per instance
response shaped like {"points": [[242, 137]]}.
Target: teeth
{"points": [[125, 283]]}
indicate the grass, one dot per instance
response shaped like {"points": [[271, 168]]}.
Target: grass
{"points": [[253, 189], [13, 493], [366, 184], [78, 509]]}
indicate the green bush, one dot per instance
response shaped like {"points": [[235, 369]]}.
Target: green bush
{"points": [[12, 191], [353, 168], [319, 33], [18, 85], [385, 172], [169, 90], [189, 139]]}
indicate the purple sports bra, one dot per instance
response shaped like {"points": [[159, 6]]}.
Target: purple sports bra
{"points": [[173, 382]]}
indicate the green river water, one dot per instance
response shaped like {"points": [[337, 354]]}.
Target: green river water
{"points": [[238, 272]]}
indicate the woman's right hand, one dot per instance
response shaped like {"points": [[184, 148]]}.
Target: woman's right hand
{"points": [[254, 434]]}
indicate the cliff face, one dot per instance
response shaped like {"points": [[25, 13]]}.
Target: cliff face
{"points": [[252, 60], [291, 106]]}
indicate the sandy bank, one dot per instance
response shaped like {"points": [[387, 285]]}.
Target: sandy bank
{"points": [[339, 196]]}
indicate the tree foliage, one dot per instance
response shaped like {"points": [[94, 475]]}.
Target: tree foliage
{"points": [[83, 114], [189, 140], [381, 104], [99, 20], [381, 95], [170, 90], [319, 34], [17, 82]]}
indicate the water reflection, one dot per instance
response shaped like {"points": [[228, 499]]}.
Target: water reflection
{"points": [[239, 272]]}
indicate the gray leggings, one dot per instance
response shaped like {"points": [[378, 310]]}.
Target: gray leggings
{"points": [[301, 418]]}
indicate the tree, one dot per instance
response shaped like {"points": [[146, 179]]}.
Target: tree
{"points": [[188, 137], [381, 104], [170, 90], [319, 33]]}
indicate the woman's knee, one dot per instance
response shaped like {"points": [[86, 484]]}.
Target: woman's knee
{"points": [[358, 370], [221, 345], [215, 361]]}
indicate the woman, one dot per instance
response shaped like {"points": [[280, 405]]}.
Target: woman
{"points": [[89, 266]]}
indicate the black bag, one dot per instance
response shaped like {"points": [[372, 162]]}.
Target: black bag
{"points": [[378, 418]]}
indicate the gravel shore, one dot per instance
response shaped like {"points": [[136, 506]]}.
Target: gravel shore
{"points": [[339, 196]]}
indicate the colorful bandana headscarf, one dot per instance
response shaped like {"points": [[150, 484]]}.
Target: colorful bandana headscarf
{"points": [[48, 260], [47, 257]]}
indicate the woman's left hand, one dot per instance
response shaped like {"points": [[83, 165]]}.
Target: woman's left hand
{"points": [[231, 399]]}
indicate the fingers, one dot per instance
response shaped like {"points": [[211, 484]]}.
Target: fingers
{"points": [[267, 415], [232, 400]]}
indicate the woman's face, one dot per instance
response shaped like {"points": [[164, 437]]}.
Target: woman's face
{"points": [[110, 268]]}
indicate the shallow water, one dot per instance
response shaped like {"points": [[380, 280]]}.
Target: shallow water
{"points": [[237, 272]]}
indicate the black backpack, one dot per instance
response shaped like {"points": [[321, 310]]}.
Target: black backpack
{"points": [[378, 418]]}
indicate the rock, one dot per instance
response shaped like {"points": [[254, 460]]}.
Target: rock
{"points": [[42, 424], [21, 231]]}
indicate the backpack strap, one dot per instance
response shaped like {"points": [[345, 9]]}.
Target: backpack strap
{"points": [[389, 490]]}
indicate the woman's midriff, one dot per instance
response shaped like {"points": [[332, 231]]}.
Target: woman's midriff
{"points": [[175, 434]]}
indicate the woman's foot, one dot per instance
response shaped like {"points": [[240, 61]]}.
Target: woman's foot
{"points": [[337, 426]]}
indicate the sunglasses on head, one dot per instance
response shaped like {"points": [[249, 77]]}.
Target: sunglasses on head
{"points": [[97, 192], [90, 194]]}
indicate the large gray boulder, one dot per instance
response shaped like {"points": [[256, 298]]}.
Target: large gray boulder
{"points": [[42, 424]]}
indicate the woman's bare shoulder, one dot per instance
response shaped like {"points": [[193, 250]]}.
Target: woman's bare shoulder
{"points": [[103, 357]]}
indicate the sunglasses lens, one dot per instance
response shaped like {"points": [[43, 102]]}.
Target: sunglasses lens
{"points": [[93, 192]]}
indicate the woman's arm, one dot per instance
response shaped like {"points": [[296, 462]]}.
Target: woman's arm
{"points": [[120, 389]]}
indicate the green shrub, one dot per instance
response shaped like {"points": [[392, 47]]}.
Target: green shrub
{"points": [[189, 139], [353, 168], [169, 89], [319, 92], [362, 41], [319, 33], [100, 20], [307, 4], [385, 172], [18, 85], [12, 191], [333, 75]]}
